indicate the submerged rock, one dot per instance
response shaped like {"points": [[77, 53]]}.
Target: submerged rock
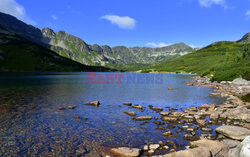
{"points": [[93, 103], [234, 132], [130, 113], [140, 118], [126, 152]]}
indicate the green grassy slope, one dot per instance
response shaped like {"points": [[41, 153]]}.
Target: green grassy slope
{"points": [[220, 61]]}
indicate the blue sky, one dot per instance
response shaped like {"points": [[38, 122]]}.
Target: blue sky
{"points": [[138, 22]]}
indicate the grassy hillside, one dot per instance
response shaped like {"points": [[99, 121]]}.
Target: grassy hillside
{"points": [[220, 61], [20, 55]]}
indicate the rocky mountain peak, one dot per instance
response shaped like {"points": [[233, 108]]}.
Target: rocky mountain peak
{"points": [[47, 32], [245, 38]]}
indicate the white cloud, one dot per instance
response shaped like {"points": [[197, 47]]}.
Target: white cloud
{"points": [[123, 22], [208, 3], [248, 13], [161, 44], [54, 17], [13, 8]]}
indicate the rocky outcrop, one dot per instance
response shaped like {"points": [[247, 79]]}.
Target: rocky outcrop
{"points": [[245, 38]]}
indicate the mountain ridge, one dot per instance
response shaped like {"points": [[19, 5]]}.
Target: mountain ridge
{"points": [[78, 50]]}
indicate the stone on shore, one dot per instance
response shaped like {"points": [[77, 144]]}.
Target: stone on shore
{"points": [[93, 103], [130, 113], [233, 132], [240, 81], [126, 152], [141, 118], [230, 143], [196, 152], [215, 147]]}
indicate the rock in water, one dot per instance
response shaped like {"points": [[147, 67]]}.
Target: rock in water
{"points": [[127, 103], [130, 113], [71, 107], [126, 152], [196, 152], [61, 108], [143, 118], [234, 132], [93, 103]]}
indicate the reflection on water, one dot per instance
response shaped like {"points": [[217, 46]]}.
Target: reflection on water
{"points": [[31, 124]]}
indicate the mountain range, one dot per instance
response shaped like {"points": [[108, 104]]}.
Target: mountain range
{"points": [[76, 49]]}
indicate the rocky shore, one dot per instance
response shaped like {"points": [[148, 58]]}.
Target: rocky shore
{"points": [[232, 118]]}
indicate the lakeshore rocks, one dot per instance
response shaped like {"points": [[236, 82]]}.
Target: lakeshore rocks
{"points": [[169, 119], [205, 106], [230, 143], [201, 122], [141, 118], [240, 81], [217, 148], [130, 113], [233, 132], [196, 152], [214, 115], [154, 146], [93, 103], [126, 152]]}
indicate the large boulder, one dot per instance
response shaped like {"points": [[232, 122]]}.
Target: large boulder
{"points": [[233, 132], [215, 147], [126, 152], [240, 81], [196, 152], [242, 150]]}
